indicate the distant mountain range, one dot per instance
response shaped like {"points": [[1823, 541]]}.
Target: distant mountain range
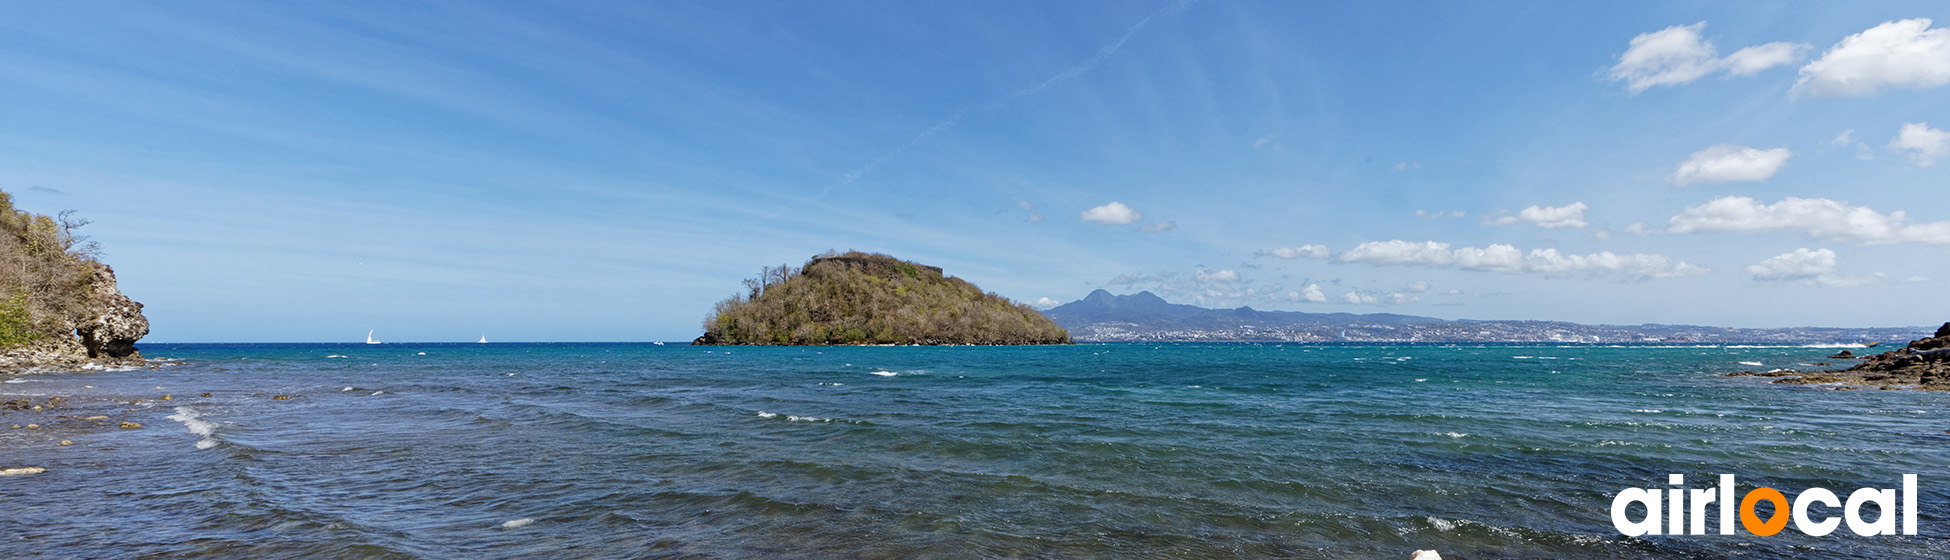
{"points": [[1145, 317]]}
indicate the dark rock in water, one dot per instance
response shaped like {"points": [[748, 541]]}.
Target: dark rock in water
{"points": [[1922, 364], [1844, 355]]}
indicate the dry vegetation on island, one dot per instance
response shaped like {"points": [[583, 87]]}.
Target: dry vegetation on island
{"points": [[870, 298], [57, 302]]}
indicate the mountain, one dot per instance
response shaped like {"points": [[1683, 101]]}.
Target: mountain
{"points": [[1103, 317], [870, 298]]}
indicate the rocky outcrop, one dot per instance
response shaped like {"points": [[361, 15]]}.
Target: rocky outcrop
{"points": [[117, 323], [104, 336], [1922, 364]]}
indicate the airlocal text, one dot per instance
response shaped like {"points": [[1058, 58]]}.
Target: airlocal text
{"points": [[1682, 511]]}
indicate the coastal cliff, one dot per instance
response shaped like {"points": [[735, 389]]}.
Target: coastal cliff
{"points": [[1924, 363], [60, 308], [870, 298]]}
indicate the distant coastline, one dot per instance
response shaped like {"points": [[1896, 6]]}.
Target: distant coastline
{"points": [[1145, 317]]}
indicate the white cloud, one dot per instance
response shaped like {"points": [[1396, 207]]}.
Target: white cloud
{"points": [[1727, 162], [1817, 267], [1545, 216], [1301, 252], [1818, 218], [1310, 293], [1260, 143], [1677, 55], [1417, 287], [1895, 54], [1508, 259], [1035, 217], [1044, 303], [1358, 297], [1923, 143], [1204, 275], [1408, 165], [1158, 227], [1115, 213], [1752, 60], [1439, 214]]}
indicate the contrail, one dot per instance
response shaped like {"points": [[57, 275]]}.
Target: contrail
{"points": [[1079, 69]]}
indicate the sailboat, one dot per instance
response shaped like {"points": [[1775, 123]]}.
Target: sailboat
{"points": [[483, 339], [369, 339]]}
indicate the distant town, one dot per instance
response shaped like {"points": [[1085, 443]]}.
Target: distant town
{"points": [[1144, 317]]}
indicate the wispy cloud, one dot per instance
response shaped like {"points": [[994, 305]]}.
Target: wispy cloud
{"points": [[1511, 260], [1678, 55], [1547, 217], [1816, 267], [1818, 218], [1727, 163], [948, 123]]}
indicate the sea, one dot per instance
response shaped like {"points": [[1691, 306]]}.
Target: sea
{"points": [[1192, 451]]}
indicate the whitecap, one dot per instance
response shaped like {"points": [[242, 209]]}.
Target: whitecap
{"points": [[1454, 434], [1755, 364], [345, 389], [884, 373], [378, 393], [204, 429], [16, 380], [764, 414], [1647, 410], [1421, 380], [517, 524]]}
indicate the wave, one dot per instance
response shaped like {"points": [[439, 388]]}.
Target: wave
{"points": [[197, 425]]}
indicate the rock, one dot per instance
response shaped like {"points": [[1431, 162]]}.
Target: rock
{"points": [[118, 322], [130, 425], [20, 471], [96, 418], [206, 394], [1942, 331], [33, 426], [168, 398], [1843, 355], [281, 398], [65, 442], [1425, 555]]}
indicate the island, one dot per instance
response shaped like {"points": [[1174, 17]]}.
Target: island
{"points": [[859, 298], [60, 309]]}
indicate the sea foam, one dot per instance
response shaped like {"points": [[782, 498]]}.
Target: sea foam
{"points": [[194, 421]]}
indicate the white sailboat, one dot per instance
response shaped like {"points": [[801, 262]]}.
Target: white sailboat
{"points": [[369, 339], [483, 339]]}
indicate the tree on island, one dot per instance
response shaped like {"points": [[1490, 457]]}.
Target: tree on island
{"points": [[871, 298]]}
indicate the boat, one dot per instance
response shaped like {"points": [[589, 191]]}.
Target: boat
{"points": [[1872, 344], [658, 343], [369, 339], [483, 339]]}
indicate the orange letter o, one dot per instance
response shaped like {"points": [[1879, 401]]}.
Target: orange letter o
{"points": [[1775, 522]]}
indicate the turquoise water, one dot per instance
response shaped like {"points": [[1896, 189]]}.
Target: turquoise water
{"points": [[1089, 451]]}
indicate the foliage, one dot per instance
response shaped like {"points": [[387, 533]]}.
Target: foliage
{"points": [[870, 298], [48, 268]]}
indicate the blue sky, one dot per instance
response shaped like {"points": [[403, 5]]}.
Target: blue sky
{"points": [[607, 171]]}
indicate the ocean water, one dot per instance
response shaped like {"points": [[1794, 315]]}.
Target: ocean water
{"points": [[1087, 451]]}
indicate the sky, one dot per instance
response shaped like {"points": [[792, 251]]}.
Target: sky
{"points": [[606, 171]]}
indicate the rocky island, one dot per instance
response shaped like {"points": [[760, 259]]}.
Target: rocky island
{"points": [[59, 307], [860, 298], [1922, 364]]}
